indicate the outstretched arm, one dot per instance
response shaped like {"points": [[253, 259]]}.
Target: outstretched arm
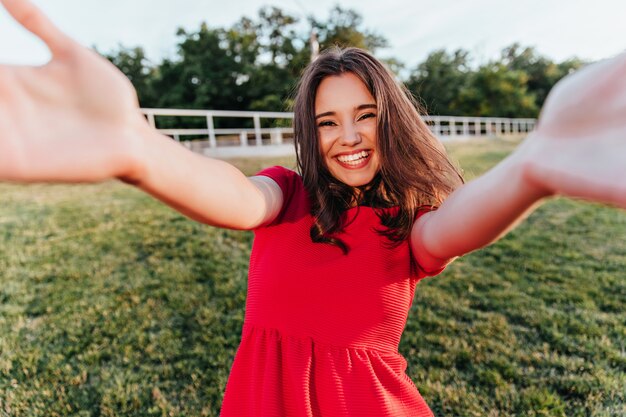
{"points": [[76, 119], [207, 190], [578, 150]]}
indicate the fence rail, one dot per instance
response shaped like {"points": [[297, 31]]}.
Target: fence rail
{"points": [[242, 141]]}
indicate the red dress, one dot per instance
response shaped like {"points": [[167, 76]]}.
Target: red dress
{"points": [[321, 329]]}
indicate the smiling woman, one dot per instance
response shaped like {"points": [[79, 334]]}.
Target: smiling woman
{"points": [[365, 145], [347, 129], [340, 246]]}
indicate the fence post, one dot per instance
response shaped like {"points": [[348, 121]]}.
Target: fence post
{"points": [[276, 136], [437, 127], [465, 127], [257, 129], [151, 120], [243, 138], [211, 127]]}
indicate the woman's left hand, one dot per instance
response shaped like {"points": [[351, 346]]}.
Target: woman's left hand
{"points": [[579, 146]]}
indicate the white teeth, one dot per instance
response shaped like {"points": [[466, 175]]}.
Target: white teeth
{"points": [[353, 159]]}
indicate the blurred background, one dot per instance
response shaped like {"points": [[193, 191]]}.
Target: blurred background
{"points": [[484, 58]]}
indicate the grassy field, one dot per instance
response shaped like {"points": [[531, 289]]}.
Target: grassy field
{"points": [[113, 304]]}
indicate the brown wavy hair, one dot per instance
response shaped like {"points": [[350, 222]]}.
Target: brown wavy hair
{"points": [[415, 170]]}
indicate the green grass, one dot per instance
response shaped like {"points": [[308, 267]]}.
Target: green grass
{"points": [[113, 304]]}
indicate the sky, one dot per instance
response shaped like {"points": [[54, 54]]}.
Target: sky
{"points": [[591, 30]]}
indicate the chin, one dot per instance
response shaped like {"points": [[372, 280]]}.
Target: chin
{"points": [[354, 180]]}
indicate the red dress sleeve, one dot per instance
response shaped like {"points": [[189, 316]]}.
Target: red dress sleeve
{"points": [[418, 270], [289, 182]]}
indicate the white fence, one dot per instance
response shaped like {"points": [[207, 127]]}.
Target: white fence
{"points": [[274, 141]]}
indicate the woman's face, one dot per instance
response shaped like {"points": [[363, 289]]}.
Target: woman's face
{"points": [[346, 117]]}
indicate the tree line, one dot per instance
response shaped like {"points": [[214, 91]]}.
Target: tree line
{"points": [[255, 64]]}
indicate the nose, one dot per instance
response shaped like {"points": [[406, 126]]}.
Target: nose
{"points": [[350, 135]]}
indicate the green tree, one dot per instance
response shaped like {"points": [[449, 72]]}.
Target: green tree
{"points": [[438, 80], [344, 28], [276, 30], [280, 60], [206, 73], [542, 72], [254, 64], [496, 90], [209, 72]]}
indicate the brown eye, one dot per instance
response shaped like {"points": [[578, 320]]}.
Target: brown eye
{"points": [[326, 123], [367, 116]]}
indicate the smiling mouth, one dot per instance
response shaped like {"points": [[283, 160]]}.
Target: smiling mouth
{"points": [[355, 160]]}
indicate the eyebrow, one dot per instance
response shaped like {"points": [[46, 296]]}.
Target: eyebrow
{"points": [[360, 107]]}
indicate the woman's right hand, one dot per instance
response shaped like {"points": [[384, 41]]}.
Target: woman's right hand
{"points": [[77, 119], [71, 120]]}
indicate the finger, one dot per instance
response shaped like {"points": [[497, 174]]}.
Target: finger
{"points": [[33, 19]]}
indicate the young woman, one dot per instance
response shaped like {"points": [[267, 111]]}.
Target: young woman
{"points": [[338, 249]]}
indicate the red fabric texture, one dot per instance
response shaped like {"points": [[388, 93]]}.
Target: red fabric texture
{"points": [[321, 329]]}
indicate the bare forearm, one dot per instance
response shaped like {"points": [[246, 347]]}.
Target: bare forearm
{"points": [[483, 210], [207, 190]]}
